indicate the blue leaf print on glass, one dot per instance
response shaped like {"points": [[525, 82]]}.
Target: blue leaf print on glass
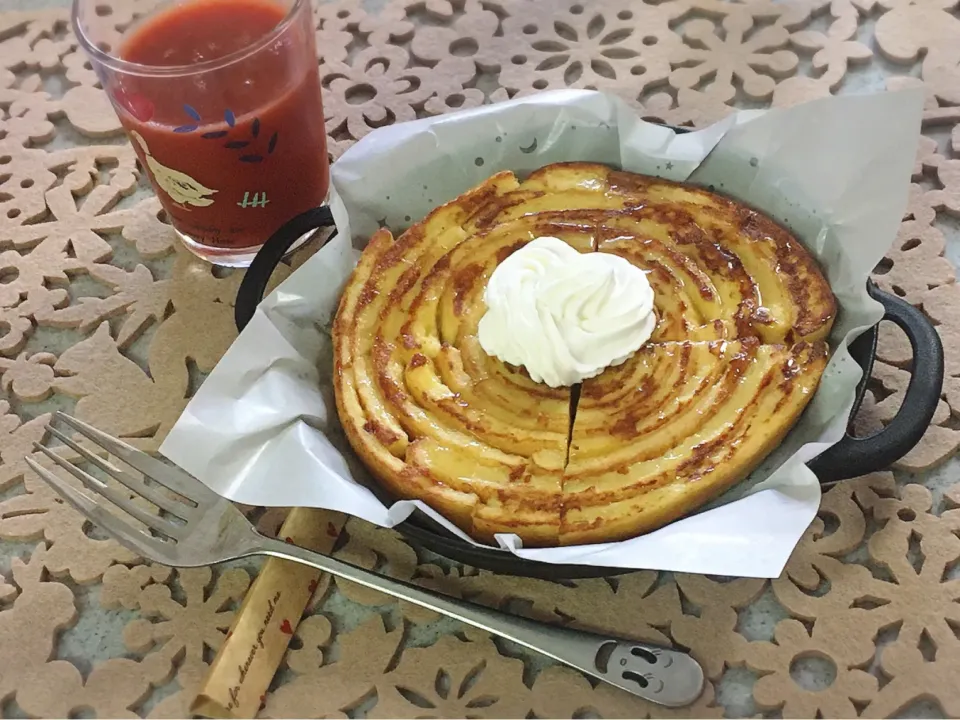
{"points": [[185, 128], [236, 144], [214, 135], [273, 143], [255, 128], [230, 117], [251, 158], [191, 112]]}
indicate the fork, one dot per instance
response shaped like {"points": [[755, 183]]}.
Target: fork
{"points": [[215, 531]]}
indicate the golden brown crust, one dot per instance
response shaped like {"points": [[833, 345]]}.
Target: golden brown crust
{"points": [[427, 412], [717, 409], [743, 312]]}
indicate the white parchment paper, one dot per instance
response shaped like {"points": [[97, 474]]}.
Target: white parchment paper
{"points": [[263, 428]]}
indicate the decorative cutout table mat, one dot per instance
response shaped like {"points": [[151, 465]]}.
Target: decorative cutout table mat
{"points": [[102, 314]]}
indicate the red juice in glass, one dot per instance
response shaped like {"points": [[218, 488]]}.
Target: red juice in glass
{"points": [[221, 100]]}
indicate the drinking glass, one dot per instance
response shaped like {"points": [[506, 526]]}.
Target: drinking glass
{"points": [[221, 100]]}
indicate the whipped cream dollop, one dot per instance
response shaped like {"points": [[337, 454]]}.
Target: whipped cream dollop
{"points": [[565, 315]]}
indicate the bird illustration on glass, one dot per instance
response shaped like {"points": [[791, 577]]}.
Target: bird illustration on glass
{"points": [[181, 188]]}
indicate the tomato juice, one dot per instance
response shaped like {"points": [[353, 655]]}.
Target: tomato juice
{"points": [[227, 116]]}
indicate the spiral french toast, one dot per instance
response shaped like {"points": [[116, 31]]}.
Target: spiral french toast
{"points": [[739, 345]]}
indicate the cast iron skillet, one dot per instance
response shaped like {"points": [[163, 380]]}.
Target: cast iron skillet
{"points": [[851, 457]]}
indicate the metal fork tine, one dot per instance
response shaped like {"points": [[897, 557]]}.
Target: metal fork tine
{"points": [[138, 486], [172, 478], [145, 544], [91, 483]]}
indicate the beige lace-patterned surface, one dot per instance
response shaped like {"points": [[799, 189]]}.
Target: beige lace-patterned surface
{"points": [[102, 314]]}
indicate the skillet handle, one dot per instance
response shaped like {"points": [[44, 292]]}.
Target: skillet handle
{"points": [[254, 282], [854, 456]]}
